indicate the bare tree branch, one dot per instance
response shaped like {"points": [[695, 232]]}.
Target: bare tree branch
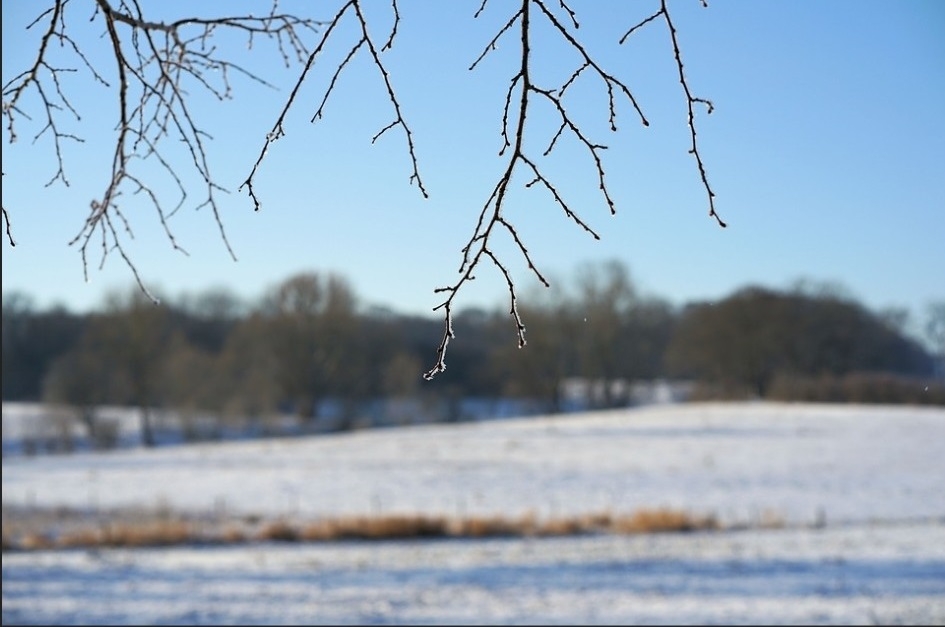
{"points": [[514, 116], [6, 222], [156, 64], [365, 41], [691, 100]]}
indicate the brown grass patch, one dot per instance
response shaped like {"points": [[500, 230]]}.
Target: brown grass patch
{"points": [[493, 526], [145, 534], [232, 534], [396, 526], [81, 538], [160, 533], [598, 521], [278, 531], [562, 527], [35, 542], [165, 530], [661, 520]]}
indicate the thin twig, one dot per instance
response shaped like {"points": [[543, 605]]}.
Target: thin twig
{"points": [[6, 222], [691, 101]]}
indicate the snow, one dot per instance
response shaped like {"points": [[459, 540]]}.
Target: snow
{"points": [[840, 576], [871, 477]]}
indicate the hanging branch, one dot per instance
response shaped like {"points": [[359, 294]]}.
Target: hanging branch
{"points": [[365, 41], [691, 101], [6, 222], [514, 116], [157, 65]]}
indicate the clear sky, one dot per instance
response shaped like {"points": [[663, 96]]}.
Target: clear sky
{"points": [[826, 151]]}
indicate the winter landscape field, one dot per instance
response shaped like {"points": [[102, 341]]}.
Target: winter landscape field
{"points": [[822, 514]]}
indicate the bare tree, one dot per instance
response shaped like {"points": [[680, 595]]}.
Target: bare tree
{"points": [[160, 65], [311, 326]]}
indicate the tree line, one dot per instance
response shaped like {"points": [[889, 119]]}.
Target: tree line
{"points": [[308, 340]]}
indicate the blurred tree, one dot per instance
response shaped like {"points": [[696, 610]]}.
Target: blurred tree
{"points": [[79, 378], [132, 335], [755, 334], [399, 376], [469, 371], [312, 326], [192, 385], [539, 372], [897, 318], [649, 328], [599, 317], [601, 332], [935, 332], [31, 341], [207, 318], [248, 369]]}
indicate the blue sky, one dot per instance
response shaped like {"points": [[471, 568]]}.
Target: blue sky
{"points": [[826, 151]]}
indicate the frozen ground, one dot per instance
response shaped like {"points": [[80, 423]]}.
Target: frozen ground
{"points": [[875, 575], [872, 477]]}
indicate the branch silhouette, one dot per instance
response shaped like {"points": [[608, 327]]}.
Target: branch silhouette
{"points": [[365, 41], [691, 100], [522, 97], [160, 66]]}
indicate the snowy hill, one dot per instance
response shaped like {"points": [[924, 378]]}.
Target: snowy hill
{"points": [[856, 492]]}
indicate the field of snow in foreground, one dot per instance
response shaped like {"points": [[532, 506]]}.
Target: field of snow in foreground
{"points": [[868, 575], [871, 477]]}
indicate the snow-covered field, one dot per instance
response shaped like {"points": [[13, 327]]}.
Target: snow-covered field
{"points": [[859, 491]]}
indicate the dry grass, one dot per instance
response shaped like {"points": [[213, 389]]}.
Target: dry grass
{"points": [[563, 527], [149, 534], [35, 542], [660, 521], [165, 530], [492, 526], [395, 526], [233, 534], [81, 538], [278, 531]]}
